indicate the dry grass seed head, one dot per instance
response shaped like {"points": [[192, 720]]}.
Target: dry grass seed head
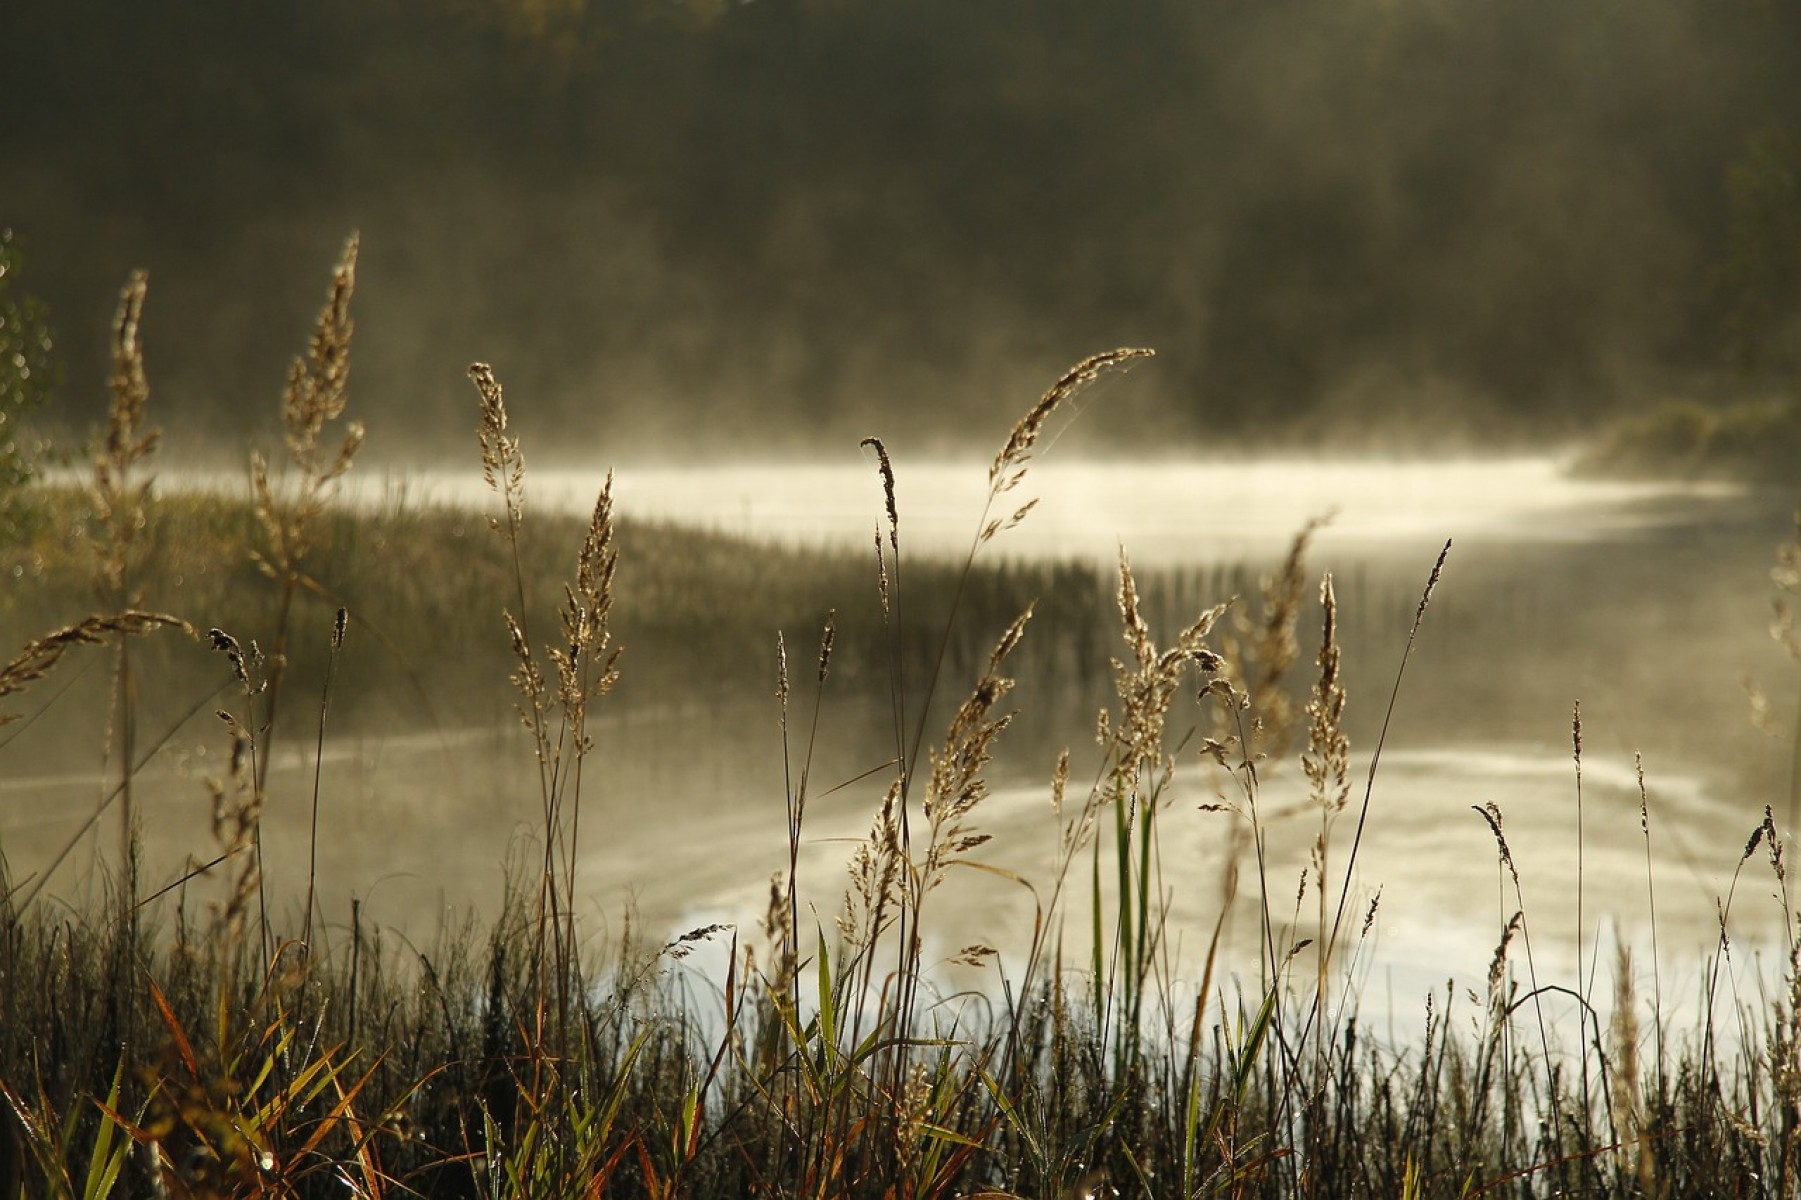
{"points": [[1756, 839], [1497, 965], [236, 813], [1266, 645], [315, 395], [1644, 795], [827, 637], [1773, 841], [912, 1108], [781, 672], [1147, 686], [975, 954], [1623, 1046], [1010, 464], [1326, 761], [125, 442], [119, 506], [40, 656], [589, 665], [886, 467], [1785, 1042], [1369, 918], [957, 784], [876, 875], [318, 381], [599, 557], [684, 945], [527, 677], [1137, 631], [1491, 813], [1059, 788], [881, 573], [1438, 571], [503, 466], [244, 663], [778, 927]]}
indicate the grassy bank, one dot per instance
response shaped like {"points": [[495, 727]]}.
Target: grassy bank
{"points": [[197, 1042], [416, 579], [1748, 441]]}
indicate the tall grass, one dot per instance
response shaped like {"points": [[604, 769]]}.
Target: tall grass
{"points": [[829, 1054]]}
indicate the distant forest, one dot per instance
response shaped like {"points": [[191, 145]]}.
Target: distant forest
{"points": [[780, 224]]}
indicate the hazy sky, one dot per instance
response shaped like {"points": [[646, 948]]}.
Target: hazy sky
{"points": [[721, 228]]}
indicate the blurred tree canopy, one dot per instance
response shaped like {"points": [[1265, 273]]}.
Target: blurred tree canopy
{"points": [[806, 219], [1763, 262]]}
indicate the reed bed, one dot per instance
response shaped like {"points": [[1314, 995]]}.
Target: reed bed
{"points": [[191, 1043]]}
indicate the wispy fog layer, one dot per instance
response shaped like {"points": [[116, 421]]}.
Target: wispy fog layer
{"points": [[1164, 515], [782, 224]]}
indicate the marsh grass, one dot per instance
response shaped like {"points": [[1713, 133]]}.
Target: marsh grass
{"points": [[209, 1052]]}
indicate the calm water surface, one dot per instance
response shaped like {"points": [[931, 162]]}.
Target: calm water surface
{"points": [[1648, 603]]}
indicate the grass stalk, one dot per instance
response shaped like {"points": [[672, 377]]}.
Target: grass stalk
{"points": [[339, 625]]}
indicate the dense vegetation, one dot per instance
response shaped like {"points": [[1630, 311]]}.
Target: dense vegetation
{"points": [[693, 225], [148, 1050]]}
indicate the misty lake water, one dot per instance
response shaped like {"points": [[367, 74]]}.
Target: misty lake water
{"points": [[1648, 603]]}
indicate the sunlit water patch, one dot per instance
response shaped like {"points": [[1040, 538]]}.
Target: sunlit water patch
{"points": [[416, 834], [1445, 894], [1162, 512]]}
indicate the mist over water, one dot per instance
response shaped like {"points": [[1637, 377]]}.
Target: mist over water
{"points": [[1648, 603], [1164, 513], [1395, 258]]}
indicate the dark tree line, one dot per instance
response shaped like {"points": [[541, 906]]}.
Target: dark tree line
{"points": [[800, 220]]}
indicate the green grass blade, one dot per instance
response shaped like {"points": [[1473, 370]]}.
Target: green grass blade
{"points": [[828, 1023], [106, 1159], [1252, 1045]]}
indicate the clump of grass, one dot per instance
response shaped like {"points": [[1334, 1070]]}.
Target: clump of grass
{"points": [[555, 689], [516, 1062], [1756, 439]]}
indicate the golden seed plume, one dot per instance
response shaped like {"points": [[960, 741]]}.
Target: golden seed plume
{"points": [[827, 637], [121, 506], [887, 469], [1326, 761], [1009, 465], [125, 443], [1497, 964], [781, 669], [1491, 813], [1438, 570], [503, 467], [40, 656]]}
